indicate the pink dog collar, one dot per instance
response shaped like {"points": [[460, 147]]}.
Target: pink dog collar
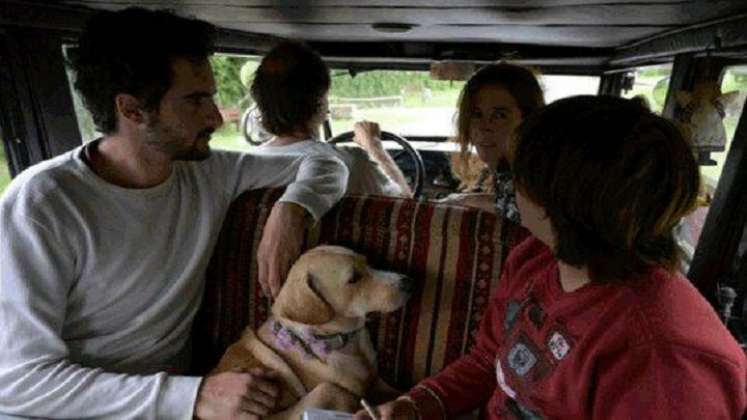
{"points": [[310, 344]]}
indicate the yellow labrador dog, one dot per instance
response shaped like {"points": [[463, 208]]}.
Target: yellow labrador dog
{"points": [[316, 338]]}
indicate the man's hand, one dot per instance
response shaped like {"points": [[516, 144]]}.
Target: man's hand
{"points": [[400, 409], [280, 245], [246, 395], [368, 136]]}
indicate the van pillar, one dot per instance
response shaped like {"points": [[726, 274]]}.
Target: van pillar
{"points": [[38, 117]]}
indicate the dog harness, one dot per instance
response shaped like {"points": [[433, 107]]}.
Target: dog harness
{"points": [[312, 345]]}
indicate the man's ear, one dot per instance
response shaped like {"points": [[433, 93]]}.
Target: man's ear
{"points": [[300, 302], [129, 108]]}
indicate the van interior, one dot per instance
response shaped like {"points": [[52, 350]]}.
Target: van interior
{"points": [[402, 64]]}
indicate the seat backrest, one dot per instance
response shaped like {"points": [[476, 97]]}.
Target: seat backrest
{"points": [[454, 254]]}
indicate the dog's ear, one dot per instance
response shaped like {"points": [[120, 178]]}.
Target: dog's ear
{"points": [[300, 302]]}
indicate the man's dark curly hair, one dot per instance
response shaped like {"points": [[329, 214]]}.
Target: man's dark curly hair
{"points": [[131, 51], [289, 86]]}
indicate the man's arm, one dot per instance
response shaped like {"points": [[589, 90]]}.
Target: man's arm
{"points": [[280, 245], [37, 273], [368, 136], [315, 181], [669, 381], [38, 378], [314, 184]]}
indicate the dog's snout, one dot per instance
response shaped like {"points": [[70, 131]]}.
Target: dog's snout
{"points": [[407, 284]]}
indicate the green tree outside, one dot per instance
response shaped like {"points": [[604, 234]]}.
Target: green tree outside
{"points": [[384, 83], [227, 71], [4, 170]]}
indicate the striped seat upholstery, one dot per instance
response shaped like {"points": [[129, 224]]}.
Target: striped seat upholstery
{"points": [[454, 254]]}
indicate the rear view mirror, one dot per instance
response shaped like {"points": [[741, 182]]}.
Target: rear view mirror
{"points": [[452, 70]]}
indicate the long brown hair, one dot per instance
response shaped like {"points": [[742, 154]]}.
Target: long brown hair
{"points": [[520, 82]]}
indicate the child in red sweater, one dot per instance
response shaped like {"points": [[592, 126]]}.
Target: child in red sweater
{"points": [[590, 318]]}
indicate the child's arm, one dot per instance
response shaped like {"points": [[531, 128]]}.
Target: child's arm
{"points": [[470, 381], [665, 381]]}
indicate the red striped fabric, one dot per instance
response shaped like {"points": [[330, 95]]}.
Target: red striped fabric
{"points": [[455, 255]]}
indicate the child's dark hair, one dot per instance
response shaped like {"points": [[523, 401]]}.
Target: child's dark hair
{"points": [[289, 86], [614, 179], [131, 51]]}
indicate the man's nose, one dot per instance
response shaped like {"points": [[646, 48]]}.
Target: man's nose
{"points": [[214, 118]]}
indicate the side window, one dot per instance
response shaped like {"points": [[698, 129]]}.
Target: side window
{"points": [[730, 102], [406, 102], [233, 77], [713, 116], [650, 83], [86, 127], [4, 170], [561, 86]]}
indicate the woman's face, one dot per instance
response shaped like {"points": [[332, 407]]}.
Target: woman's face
{"points": [[493, 119]]}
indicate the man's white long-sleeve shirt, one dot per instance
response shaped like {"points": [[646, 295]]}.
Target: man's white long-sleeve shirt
{"points": [[99, 284], [366, 175]]}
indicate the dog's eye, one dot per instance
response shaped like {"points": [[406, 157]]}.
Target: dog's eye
{"points": [[355, 278]]}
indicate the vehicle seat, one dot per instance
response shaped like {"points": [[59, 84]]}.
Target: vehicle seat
{"points": [[455, 254]]}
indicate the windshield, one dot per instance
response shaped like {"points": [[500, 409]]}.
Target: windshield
{"points": [[410, 103], [404, 102]]}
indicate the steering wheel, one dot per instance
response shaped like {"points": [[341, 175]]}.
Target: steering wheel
{"points": [[417, 188], [251, 127]]}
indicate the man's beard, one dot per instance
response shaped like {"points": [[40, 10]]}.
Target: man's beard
{"points": [[168, 141]]}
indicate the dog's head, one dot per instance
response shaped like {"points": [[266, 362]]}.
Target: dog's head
{"points": [[331, 282]]}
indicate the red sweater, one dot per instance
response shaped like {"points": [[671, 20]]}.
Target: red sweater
{"points": [[648, 348]]}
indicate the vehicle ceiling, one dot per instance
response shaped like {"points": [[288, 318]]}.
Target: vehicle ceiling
{"points": [[555, 32]]}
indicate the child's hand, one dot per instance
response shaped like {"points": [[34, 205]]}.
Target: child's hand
{"points": [[399, 409]]}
